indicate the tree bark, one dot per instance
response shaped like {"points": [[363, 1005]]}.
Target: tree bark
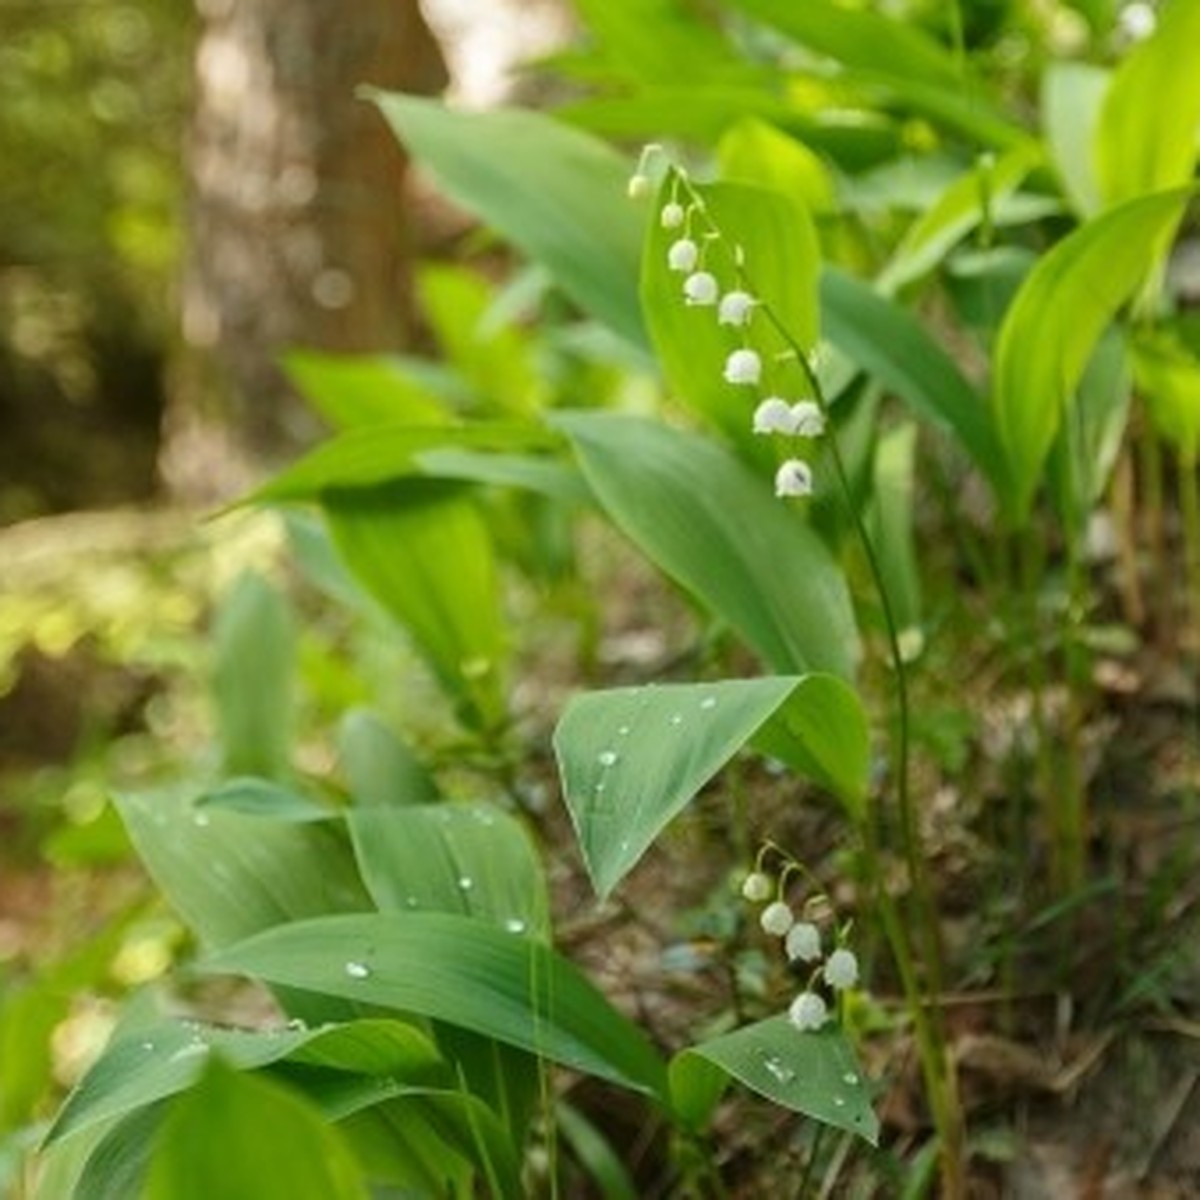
{"points": [[298, 231]]}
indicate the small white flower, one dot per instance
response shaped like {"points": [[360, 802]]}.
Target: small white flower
{"points": [[672, 215], [776, 919], [841, 969], [735, 308], [743, 367], [808, 420], [803, 942], [1137, 21], [683, 255], [794, 478], [638, 186], [808, 1012], [700, 288], [757, 887], [911, 643], [774, 415]]}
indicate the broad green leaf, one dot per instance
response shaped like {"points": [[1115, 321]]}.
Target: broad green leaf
{"points": [[1054, 322], [816, 1074], [461, 971], [366, 456], [631, 759], [890, 344], [472, 859], [244, 1138], [756, 152], [361, 389], [115, 1169], [1146, 138], [161, 1059], [554, 192], [252, 677], [422, 550], [712, 524], [1168, 378], [378, 767], [229, 875], [781, 261], [263, 798], [532, 473], [966, 204], [1071, 96]]}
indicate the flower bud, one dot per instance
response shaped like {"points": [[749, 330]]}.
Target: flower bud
{"points": [[683, 254], [803, 943], [743, 367], [808, 1012], [773, 415], [700, 288], [794, 478], [776, 919], [841, 969], [672, 215], [757, 887], [735, 308]]}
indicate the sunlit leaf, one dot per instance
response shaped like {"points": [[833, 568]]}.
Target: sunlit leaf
{"points": [[360, 389], [1168, 377], [379, 768], [1054, 322], [1071, 95]]}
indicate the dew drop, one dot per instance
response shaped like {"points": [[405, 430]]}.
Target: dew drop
{"points": [[598, 788], [677, 718], [709, 702], [466, 883], [412, 902], [147, 1045], [624, 845], [514, 925], [357, 970], [850, 1078], [297, 1025], [623, 731], [201, 819], [839, 1102], [189, 1051], [776, 1068], [607, 758]]}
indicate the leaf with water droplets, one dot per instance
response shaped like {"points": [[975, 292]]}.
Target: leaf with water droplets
{"points": [[676, 737], [811, 1073]]}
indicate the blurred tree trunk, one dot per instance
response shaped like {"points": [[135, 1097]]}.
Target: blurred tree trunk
{"points": [[298, 233]]}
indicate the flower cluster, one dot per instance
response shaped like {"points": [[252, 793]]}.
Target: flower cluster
{"points": [[685, 215], [803, 945]]}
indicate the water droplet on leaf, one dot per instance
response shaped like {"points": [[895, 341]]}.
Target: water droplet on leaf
{"points": [[357, 970], [607, 758], [778, 1070], [466, 883], [709, 702], [514, 925]]}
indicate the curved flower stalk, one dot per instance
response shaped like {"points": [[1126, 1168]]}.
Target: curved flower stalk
{"points": [[770, 374]]}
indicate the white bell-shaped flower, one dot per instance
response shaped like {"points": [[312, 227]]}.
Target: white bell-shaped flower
{"points": [[700, 288], [774, 415], [803, 943], [683, 254], [672, 215], [735, 308], [808, 1012], [808, 420], [638, 186], [794, 478], [743, 367], [841, 969], [757, 887], [776, 919]]}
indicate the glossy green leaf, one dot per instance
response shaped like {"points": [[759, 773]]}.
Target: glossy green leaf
{"points": [[422, 550], [1168, 378], [886, 341], [631, 759], [115, 1168], [540, 474], [378, 767], [1054, 322], [970, 201], [891, 522], [554, 192], [213, 1144], [472, 859], [816, 1074], [1071, 96], [366, 456], [229, 875], [712, 524], [253, 672], [462, 971], [603, 1163], [361, 389], [781, 260], [1146, 138]]}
